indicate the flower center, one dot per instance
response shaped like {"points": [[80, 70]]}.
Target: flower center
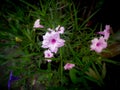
{"points": [[48, 54], [98, 44], [53, 41]]}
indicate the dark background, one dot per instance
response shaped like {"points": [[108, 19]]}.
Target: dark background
{"points": [[108, 13]]}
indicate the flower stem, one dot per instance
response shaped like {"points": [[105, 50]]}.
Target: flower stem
{"points": [[61, 65]]}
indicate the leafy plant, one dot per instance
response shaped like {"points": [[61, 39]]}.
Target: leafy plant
{"points": [[28, 34]]}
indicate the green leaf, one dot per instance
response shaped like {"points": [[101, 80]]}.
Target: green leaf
{"points": [[103, 70], [73, 76]]}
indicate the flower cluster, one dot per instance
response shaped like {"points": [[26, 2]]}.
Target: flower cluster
{"points": [[98, 44], [52, 42]]}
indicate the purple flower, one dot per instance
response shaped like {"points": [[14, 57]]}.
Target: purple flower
{"points": [[48, 54], [106, 32], [69, 66], [49, 29], [11, 79], [37, 24], [52, 41], [60, 29], [98, 44]]}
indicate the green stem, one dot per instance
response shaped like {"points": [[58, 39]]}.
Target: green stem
{"points": [[100, 82], [49, 66], [61, 65]]}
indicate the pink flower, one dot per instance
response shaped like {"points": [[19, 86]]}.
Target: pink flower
{"points": [[48, 54], [52, 41], [60, 29], [37, 24], [69, 66], [106, 32], [98, 44], [49, 29]]}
